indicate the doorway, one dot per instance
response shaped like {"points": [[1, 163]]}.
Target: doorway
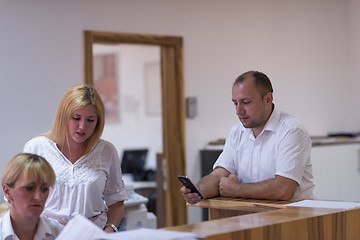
{"points": [[172, 108]]}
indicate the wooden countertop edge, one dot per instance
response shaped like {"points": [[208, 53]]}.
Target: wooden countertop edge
{"points": [[240, 203]]}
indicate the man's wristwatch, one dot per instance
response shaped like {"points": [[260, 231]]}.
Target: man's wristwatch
{"points": [[112, 226]]}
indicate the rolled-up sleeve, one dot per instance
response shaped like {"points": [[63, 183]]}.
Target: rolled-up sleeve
{"points": [[115, 190]]}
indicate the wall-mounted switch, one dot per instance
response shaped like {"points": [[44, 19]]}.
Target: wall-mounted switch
{"points": [[191, 107]]}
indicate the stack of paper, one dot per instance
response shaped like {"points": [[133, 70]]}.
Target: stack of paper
{"points": [[81, 228], [325, 204], [148, 234]]}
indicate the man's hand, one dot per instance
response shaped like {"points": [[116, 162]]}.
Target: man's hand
{"points": [[208, 186], [190, 197], [228, 186], [277, 188]]}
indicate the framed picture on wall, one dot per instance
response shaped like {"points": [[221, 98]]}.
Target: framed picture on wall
{"points": [[106, 83], [153, 88]]}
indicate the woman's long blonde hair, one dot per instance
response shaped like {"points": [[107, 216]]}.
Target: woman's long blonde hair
{"points": [[75, 98]]}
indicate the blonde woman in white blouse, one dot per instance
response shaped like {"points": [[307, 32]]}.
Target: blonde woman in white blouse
{"points": [[26, 181], [88, 174]]}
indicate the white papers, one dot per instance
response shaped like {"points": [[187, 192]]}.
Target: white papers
{"points": [[325, 204], [81, 228], [149, 234], [78, 228]]}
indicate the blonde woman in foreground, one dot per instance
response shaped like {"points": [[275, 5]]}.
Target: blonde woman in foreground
{"points": [[26, 181]]}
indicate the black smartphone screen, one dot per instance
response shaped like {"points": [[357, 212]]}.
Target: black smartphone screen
{"points": [[189, 184]]}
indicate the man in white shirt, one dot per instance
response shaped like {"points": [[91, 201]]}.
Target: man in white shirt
{"points": [[267, 156]]}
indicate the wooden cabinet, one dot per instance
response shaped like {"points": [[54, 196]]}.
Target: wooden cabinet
{"points": [[336, 170], [208, 158]]}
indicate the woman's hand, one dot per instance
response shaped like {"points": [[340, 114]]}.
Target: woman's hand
{"points": [[114, 215], [109, 229]]}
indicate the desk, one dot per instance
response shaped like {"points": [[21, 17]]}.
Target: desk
{"points": [[272, 220], [145, 188]]}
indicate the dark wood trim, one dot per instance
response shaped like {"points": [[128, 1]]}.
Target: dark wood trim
{"points": [[173, 107]]}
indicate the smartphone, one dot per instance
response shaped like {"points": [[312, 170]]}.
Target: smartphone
{"points": [[189, 184]]}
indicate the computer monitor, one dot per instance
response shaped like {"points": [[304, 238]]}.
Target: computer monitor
{"points": [[133, 161]]}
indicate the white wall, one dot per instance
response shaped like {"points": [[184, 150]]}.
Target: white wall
{"points": [[354, 30], [308, 48]]}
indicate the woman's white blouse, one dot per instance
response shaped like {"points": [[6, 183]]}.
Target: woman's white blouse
{"points": [[87, 187], [47, 229]]}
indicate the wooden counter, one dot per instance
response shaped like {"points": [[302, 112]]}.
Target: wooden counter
{"points": [[271, 220], [222, 207]]}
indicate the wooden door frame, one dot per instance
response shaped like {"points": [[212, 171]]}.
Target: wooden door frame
{"points": [[173, 107]]}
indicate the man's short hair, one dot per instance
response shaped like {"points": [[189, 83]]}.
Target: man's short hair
{"points": [[261, 81]]}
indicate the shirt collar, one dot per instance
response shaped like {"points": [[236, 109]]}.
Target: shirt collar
{"points": [[273, 120], [7, 229], [42, 231]]}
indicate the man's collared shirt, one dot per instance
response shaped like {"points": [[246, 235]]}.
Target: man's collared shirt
{"points": [[282, 148]]}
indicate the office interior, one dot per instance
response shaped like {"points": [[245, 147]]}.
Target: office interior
{"points": [[309, 49]]}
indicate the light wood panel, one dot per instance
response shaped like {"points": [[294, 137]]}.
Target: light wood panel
{"points": [[278, 223], [160, 194], [173, 107], [172, 92]]}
